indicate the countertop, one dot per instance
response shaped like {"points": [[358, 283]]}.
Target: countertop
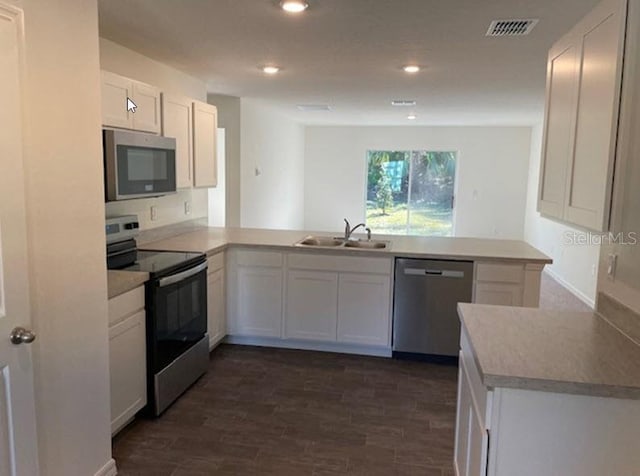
{"points": [[563, 352], [213, 240], [119, 282]]}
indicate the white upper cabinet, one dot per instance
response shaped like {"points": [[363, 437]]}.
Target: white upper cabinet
{"points": [[116, 90], [147, 115], [562, 89], [177, 123], [205, 125], [584, 77]]}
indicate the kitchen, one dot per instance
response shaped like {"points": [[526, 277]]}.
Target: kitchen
{"points": [[60, 261]]}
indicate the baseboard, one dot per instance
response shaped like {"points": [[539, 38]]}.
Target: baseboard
{"points": [[108, 469], [310, 345], [572, 289]]}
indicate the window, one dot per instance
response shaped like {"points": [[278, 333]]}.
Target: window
{"points": [[410, 192]]}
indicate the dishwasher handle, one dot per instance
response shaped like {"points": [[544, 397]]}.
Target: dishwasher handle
{"points": [[438, 273]]}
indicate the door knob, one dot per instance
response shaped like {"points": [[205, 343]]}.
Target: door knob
{"points": [[20, 335]]}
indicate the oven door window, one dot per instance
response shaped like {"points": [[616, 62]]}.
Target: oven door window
{"points": [[180, 318], [143, 170]]}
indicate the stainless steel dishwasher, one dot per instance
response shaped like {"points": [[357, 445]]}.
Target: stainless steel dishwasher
{"points": [[426, 294]]}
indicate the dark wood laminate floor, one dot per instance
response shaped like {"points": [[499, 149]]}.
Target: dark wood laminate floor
{"points": [[281, 412]]}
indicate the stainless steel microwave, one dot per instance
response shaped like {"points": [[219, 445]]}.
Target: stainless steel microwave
{"points": [[138, 165]]}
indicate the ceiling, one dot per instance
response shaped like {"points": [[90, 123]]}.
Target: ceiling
{"points": [[348, 54]]}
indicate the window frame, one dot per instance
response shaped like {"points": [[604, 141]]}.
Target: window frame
{"points": [[456, 181]]}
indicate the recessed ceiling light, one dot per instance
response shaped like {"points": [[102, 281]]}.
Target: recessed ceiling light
{"points": [[294, 6], [412, 117], [411, 68], [271, 69]]}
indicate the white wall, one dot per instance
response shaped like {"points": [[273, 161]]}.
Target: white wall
{"points": [[574, 265], [274, 145], [218, 195], [492, 173], [170, 208], [229, 120], [65, 217]]}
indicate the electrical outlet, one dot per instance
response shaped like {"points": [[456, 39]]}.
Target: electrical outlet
{"points": [[154, 213], [187, 208]]}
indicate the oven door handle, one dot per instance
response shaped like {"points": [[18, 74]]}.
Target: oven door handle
{"points": [[181, 276]]}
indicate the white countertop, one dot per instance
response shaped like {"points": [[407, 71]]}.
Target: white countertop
{"points": [[213, 240], [564, 352]]}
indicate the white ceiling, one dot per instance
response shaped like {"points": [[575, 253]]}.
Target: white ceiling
{"points": [[348, 54]]}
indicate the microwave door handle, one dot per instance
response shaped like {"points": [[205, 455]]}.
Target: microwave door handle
{"points": [[175, 278]]}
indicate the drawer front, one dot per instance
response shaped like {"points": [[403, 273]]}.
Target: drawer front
{"points": [[339, 263], [215, 262], [267, 259], [500, 273], [123, 306], [479, 392]]}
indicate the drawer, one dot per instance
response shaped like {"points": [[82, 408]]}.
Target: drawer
{"points": [[479, 393], [123, 306], [269, 259], [215, 263], [500, 273], [339, 263]]}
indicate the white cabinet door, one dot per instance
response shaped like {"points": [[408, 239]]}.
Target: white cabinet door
{"points": [[115, 90], [478, 445], [312, 300], [127, 366], [147, 115], [216, 322], [472, 438], [463, 416], [177, 123], [563, 70], [205, 124], [591, 168], [259, 302], [501, 294], [364, 313]]}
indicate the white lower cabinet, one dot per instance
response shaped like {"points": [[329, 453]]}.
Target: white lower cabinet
{"points": [[507, 284], [342, 299], [255, 293], [364, 309], [216, 300], [312, 305], [310, 300], [127, 357], [513, 431], [500, 294]]}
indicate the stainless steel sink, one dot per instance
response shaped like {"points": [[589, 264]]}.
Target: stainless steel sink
{"points": [[367, 245], [336, 242], [324, 241]]}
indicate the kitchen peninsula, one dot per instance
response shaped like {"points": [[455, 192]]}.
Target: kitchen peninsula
{"points": [[275, 292]]}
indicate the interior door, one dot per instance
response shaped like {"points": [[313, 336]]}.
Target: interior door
{"points": [[18, 450]]}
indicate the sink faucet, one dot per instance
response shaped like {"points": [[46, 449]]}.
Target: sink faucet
{"points": [[348, 231]]}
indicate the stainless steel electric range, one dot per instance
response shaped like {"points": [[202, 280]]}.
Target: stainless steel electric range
{"points": [[176, 311]]}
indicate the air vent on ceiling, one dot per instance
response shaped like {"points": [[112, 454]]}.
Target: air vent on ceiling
{"points": [[517, 27], [313, 107], [403, 102]]}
